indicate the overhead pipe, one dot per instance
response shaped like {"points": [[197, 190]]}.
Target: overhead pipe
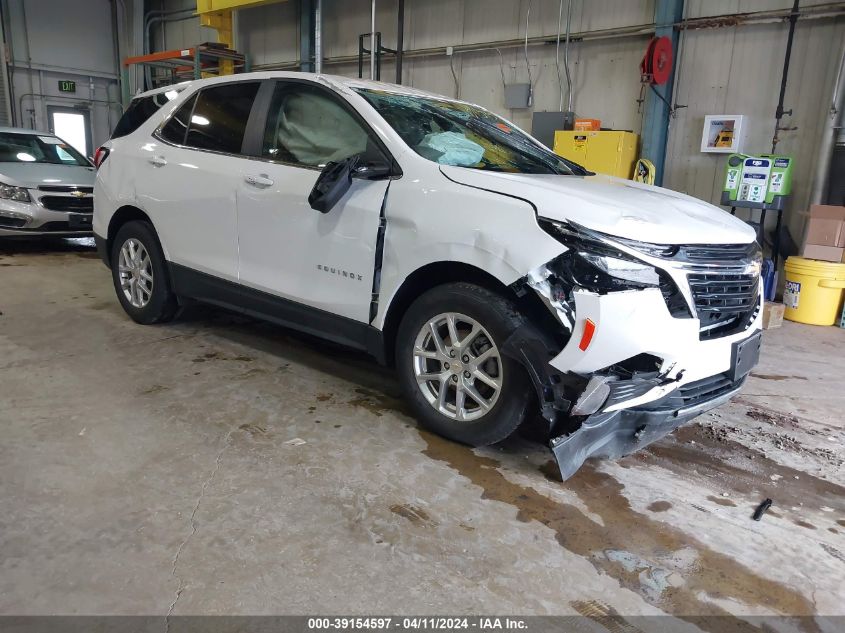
{"points": [[400, 39], [821, 11], [821, 177], [566, 57], [373, 45], [168, 16], [780, 112], [318, 36]]}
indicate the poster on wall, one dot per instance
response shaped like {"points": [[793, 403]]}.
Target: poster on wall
{"points": [[723, 133]]}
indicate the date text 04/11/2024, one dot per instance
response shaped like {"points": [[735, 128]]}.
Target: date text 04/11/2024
{"points": [[433, 623]]}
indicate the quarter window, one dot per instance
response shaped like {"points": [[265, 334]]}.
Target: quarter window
{"points": [[219, 119], [174, 130], [306, 126]]}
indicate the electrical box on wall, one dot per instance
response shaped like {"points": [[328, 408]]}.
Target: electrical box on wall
{"points": [[756, 182], [723, 133], [517, 95], [545, 124], [609, 152]]}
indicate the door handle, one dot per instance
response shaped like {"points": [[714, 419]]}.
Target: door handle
{"points": [[158, 161], [258, 181]]}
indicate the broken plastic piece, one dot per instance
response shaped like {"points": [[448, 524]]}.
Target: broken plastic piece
{"points": [[594, 396], [761, 509]]}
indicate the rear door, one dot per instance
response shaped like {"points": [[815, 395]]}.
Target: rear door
{"points": [[287, 248], [190, 173]]}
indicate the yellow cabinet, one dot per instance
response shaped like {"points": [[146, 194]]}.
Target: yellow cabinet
{"points": [[604, 152]]}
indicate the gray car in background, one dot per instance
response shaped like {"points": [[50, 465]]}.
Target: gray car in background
{"points": [[46, 186]]}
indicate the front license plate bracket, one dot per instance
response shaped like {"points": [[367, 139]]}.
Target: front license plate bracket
{"points": [[745, 355]]}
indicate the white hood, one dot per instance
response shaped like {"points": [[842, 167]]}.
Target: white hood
{"points": [[615, 206]]}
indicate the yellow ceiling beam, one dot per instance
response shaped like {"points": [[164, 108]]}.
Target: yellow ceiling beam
{"points": [[211, 6]]}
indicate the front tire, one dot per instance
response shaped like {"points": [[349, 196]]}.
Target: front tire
{"points": [[140, 276], [452, 369]]}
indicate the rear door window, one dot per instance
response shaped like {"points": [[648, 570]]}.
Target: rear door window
{"points": [[219, 119]]}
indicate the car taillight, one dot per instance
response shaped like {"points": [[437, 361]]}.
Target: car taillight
{"points": [[100, 156]]}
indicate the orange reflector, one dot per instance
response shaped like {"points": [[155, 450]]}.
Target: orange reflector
{"points": [[587, 336]]}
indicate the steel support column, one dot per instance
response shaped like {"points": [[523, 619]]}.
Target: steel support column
{"points": [[306, 36], [657, 110]]}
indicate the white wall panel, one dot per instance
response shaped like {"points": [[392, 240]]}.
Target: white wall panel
{"points": [[53, 40], [737, 70]]}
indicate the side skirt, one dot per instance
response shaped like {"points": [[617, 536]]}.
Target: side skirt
{"points": [[263, 305]]}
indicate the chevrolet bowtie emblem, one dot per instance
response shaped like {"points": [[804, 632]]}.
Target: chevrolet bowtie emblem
{"points": [[78, 194]]}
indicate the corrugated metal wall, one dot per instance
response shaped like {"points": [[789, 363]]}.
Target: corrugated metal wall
{"points": [[5, 104], [737, 70], [727, 70]]}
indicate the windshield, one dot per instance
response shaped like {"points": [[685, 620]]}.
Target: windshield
{"points": [[38, 148], [464, 135]]}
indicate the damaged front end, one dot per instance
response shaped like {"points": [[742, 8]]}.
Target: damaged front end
{"points": [[617, 394]]}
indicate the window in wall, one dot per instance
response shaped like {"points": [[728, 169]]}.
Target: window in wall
{"points": [[219, 119]]}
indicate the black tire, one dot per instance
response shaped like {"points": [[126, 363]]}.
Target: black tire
{"points": [[162, 304], [499, 317]]}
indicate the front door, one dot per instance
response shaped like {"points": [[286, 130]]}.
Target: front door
{"points": [[286, 248]]}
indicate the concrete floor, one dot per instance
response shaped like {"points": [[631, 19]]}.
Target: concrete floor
{"points": [[218, 465]]}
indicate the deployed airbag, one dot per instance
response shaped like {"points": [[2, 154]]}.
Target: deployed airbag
{"points": [[453, 149]]}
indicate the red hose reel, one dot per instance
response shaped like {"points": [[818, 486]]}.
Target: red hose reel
{"points": [[656, 65]]}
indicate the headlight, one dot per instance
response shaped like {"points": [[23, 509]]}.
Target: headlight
{"points": [[626, 269], [597, 266], [18, 194]]}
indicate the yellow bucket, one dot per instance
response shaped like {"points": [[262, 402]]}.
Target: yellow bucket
{"points": [[813, 292]]}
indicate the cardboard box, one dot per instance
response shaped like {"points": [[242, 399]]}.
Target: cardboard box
{"points": [[824, 253], [825, 235], [587, 125], [772, 315]]}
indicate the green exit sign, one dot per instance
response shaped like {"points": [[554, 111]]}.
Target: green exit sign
{"points": [[67, 86]]}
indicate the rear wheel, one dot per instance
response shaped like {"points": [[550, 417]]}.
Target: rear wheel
{"points": [[450, 363], [139, 273]]}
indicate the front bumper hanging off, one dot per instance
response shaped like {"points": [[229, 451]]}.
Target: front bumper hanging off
{"points": [[618, 433]]}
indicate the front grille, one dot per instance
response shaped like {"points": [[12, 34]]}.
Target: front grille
{"points": [[725, 303], [65, 188], [718, 253], [68, 203], [695, 393], [723, 294], [703, 390]]}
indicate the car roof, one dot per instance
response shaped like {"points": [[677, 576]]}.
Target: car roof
{"points": [[335, 81], [178, 86], [23, 130]]}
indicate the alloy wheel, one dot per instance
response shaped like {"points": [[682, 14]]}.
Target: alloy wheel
{"points": [[457, 366], [135, 269]]}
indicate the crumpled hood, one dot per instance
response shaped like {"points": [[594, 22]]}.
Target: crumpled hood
{"points": [[615, 206], [33, 175]]}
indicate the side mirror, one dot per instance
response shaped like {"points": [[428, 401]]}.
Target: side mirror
{"points": [[373, 171], [333, 183]]}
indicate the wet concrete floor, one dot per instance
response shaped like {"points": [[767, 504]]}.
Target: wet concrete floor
{"points": [[220, 465]]}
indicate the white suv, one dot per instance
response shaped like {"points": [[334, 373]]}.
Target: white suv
{"points": [[495, 275]]}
